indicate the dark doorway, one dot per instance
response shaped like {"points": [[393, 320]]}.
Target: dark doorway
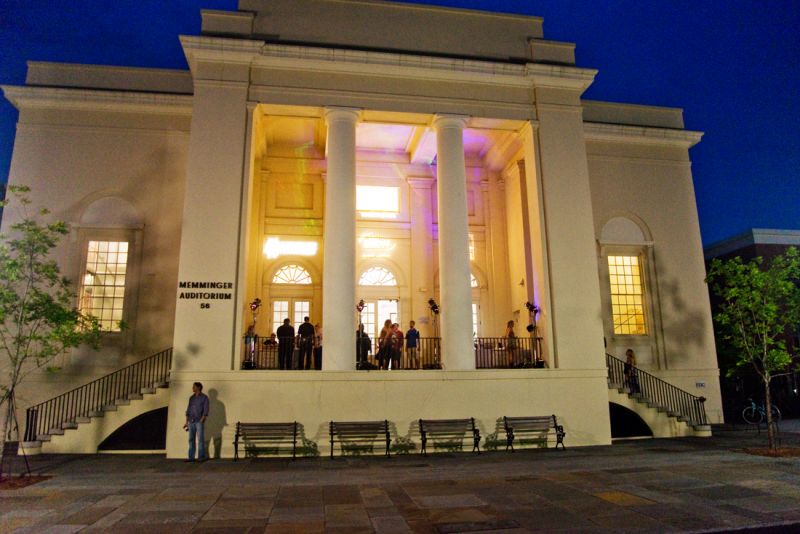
{"points": [[626, 423], [148, 432]]}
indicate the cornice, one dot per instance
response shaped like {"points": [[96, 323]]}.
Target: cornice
{"points": [[219, 49], [640, 134], [28, 97]]}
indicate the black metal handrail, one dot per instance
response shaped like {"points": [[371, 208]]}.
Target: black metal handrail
{"points": [[92, 397], [658, 392], [506, 353]]}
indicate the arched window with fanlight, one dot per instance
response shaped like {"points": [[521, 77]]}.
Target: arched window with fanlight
{"points": [[291, 305], [377, 276], [292, 274]]}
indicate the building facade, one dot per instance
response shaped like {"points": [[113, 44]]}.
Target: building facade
{"points": [[319, 153]]}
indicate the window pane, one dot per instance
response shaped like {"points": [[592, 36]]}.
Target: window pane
{"points": [[627, 308], [280, 311], [292, 274], [377, 276], [378, 202], [102, 291]]}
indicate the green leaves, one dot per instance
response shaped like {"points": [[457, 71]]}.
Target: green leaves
{"points": [[38, 320]]}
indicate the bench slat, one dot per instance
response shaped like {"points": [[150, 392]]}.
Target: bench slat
{"points": [[449, 428], [266, 432], [535, 424], [359, 432]]}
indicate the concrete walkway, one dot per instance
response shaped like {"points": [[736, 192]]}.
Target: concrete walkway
{"points": [[680, 485]]}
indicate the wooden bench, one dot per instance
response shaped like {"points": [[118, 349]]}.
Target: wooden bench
{"points": [[452, 430], [359, 435], [537, 425], [253, 435]]}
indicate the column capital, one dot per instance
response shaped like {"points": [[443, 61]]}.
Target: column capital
{"points": [[449, 121], [335, 114]]}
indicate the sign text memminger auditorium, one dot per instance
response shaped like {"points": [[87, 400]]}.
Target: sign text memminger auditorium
{"points": [[206, 295]]}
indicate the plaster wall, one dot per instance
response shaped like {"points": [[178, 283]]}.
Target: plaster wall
{"points": [[314, 399]]}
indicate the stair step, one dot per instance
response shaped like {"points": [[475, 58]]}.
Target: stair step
{"points": [[69, 425], [83, 419], [110, 408], [162, 385], [149, 391], [56, 432], [135, 396], [43, 437], [29, 445], [122, 402], [98, 413]]}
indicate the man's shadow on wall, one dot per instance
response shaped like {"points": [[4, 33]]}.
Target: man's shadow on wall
{"points": [[215, 423]]}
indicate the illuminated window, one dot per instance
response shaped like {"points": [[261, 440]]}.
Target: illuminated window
{"points": [[275, 248], [473, 282], [627, 295], [377, 276], [377, 202], [292, 274], [280, 311], [302, 308], [475, 319], [102, 292]]}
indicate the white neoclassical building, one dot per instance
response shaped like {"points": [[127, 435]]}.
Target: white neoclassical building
{"points": [[319, 153]]}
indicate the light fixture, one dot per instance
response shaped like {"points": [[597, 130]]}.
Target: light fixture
{"points": [[275, 248]]}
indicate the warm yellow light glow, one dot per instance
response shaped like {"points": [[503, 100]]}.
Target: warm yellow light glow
{"points": [[627, 295], [275, 248], [376, 247], [471, 247], [377, 202]]}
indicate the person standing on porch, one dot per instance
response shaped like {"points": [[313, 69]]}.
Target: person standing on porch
{"points": [[384, 345], [306, 333], [412, 340], [317, 347], [285, 345], [196, 415], [511, 343]]}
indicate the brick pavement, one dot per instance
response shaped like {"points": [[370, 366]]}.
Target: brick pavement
{"points": [[682, 485]]}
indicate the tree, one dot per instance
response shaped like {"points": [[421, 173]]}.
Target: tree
{"points": [[38, 320], [759, 306]]}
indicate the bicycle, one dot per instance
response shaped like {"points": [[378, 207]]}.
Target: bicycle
{"points": [[755, 414]]}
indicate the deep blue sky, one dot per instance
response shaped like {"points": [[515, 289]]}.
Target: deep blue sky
{"points": [[733, 65]]}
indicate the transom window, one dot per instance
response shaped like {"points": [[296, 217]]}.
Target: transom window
{"points": [[627, 295], [102, 292], [377, 276], [377, 202], [292, 274]]}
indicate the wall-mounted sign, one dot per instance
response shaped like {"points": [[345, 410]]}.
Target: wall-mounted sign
{"points": [[205, 291]]}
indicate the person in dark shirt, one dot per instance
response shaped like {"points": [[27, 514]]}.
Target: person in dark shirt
{"points": [[363, 347], [285, 344], [306, 333], [412, 352], [196, 415]]}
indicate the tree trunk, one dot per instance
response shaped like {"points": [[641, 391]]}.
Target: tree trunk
{"points": [[768, 409]]}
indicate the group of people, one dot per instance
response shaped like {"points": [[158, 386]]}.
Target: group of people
{"points": [[308, 341], [391, 345]]}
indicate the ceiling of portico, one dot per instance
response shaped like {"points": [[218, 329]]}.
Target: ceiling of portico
{"points": [[490, 141]]}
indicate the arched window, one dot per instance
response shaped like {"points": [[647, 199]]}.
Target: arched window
{"points": [[377, 276], [473, 282], [292, 274]]}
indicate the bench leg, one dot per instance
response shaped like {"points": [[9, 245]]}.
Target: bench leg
{"points": [[510, 441], [423, 451], [236, 449]]}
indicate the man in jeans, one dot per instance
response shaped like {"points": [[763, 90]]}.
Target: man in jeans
{"points": [[196, 415], [412, 340]]}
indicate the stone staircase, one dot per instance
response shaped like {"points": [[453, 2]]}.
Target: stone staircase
{"points": [[79, 420], [668, 410]]}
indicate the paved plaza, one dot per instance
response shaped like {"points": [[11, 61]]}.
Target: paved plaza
{"points": [[680, 485]]}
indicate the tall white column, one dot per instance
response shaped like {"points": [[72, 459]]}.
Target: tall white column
{"points": [[339, 234], [454, 269]]}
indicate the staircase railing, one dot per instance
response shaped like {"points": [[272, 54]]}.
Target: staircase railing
{"points": [[92, 397], [659, 393]]}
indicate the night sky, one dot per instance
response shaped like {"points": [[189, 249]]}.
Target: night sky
{"points": [[732, 65]]}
